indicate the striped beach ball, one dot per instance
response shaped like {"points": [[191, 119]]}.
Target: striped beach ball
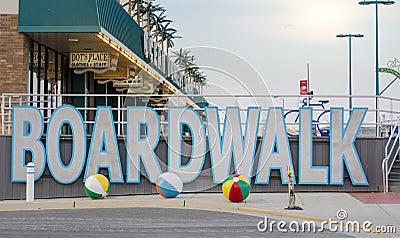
{"points": [[169, 185], [97, 186], [236, 188]]}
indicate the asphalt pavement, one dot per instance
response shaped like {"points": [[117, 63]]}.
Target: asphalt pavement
{"points": [[340, 213], [137, 222]]}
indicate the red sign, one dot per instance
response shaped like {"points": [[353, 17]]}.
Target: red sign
{"points": [[303, 87]]}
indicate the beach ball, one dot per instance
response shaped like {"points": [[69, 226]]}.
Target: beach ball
{"points": [[236, 188], [97, 186], [169, 185]]}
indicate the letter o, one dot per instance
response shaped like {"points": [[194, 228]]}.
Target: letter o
{"points": [[66, 174]]}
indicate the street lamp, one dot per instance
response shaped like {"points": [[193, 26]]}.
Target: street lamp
{"points": [[282, 99], [350, 81], [377, 90]]}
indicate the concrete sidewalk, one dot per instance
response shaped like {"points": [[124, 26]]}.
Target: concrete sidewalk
{"points": [[317, 207]]}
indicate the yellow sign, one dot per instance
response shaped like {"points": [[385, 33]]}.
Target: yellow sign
{"points": [[51, 72], [36, 60], [90, 60], [120, 73]]}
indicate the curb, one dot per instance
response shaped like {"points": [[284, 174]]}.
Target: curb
{"points": [[36, 205], [129, 203]]}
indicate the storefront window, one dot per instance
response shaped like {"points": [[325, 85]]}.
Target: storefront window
{"points": [[48, 74]]}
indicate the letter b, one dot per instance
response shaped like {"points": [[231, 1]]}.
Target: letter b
{"points": [[27, 129]]}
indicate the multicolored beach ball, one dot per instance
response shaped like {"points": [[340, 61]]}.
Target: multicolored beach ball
{"points": [[169, 185], [236, 188], [97, 186]]}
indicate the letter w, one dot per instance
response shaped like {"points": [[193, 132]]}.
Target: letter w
{"points": [[233, 143]]}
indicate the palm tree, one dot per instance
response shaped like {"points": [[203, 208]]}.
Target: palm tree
{"points": [[167, 35], [170, 36], [181, 57], [158, 25], [187, 65], [129, 5], [132, 6], [139, 9], [200, 80], [197, 77], [150, 10], [143, 8], [160, 19]]}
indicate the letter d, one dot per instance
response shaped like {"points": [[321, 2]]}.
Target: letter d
{"points": [[27, 129], [262, 225]]}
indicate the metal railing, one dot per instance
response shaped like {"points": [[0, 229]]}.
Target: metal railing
{"points": [[391, 152], [88, 103]]}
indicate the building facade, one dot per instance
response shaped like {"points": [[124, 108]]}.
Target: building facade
{"points": [[56, 47]]}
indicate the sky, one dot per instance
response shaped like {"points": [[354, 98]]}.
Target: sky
{"points": [[277, 39], [263, 46]]}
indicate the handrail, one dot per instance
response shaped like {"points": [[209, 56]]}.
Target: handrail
{"points": [[385, 168], [48, 102]]}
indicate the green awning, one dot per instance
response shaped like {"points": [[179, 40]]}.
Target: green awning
{"points": [[81, 16], [87, 16]]}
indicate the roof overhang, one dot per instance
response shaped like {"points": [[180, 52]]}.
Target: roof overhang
{"points": [[96, 24], [81, 16]]}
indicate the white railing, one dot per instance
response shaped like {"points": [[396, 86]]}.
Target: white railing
{"points": [[87, 103], [392, 149]]}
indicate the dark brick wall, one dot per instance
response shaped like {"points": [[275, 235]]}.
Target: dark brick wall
{"points": [[13, 56]]}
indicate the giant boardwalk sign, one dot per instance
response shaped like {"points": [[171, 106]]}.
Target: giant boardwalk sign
{"points": [[212, 152]]}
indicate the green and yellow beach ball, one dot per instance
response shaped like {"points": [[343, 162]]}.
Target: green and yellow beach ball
{"points": [[97, 186], [236, 188]]}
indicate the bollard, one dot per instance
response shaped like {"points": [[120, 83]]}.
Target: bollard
{"points": [[30, 182]]}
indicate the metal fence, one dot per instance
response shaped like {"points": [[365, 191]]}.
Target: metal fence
{"points": [[379, 120]]}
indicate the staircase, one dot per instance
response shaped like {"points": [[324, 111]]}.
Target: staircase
{"points": [[394, 176], [391, 162]]}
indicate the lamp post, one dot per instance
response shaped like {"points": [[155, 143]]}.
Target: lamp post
{"points": [[282, 99], [377, 90], [350, 81]]}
